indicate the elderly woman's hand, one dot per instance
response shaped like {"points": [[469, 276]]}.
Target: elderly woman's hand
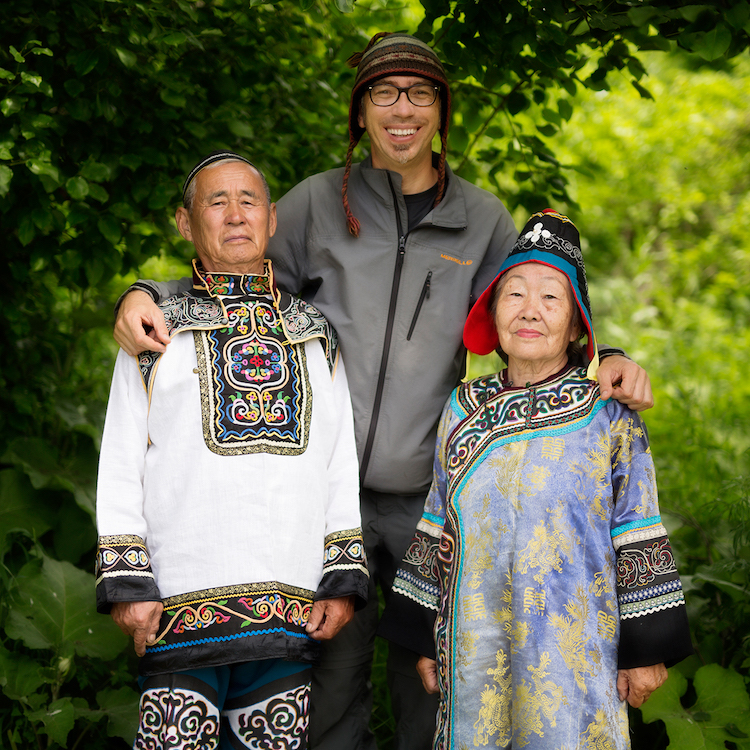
{"points": [[636, 685], [427, 669], [625, 381]]}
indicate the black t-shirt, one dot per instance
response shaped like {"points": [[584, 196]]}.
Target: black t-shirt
{"points": [[418, 205]]}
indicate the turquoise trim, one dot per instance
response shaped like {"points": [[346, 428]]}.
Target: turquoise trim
{"points": [[619, 530]]}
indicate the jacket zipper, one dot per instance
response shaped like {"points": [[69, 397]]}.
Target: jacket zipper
{"points": [[422, 297], [366, 453]]}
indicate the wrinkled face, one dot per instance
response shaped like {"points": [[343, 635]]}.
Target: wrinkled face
{"points": [[535, 314], [402, 132], [231, 221]]}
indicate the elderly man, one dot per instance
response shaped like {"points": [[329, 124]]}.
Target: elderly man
{"points": [[227, 508], [393, 251]]}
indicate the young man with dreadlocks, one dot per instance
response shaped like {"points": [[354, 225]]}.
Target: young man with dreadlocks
{"points": [[393, 251]]}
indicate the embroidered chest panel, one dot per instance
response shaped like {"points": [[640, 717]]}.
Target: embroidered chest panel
{"points": [[255, 391], [493, 415]]}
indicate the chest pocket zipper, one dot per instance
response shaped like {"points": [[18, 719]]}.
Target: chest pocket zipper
{"points": [[422, 297]]}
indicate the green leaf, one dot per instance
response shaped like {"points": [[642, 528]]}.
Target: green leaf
{"points": [[642, 15], [172, 98], [737, 16], [721, 711], [20, 676], [6, 175], [54, 608], [517, 102], [74, 87], [121, 709], [7, 74], [110, 227], [17, 56], [713, 44], [26, 229], [77, 188], [345, 6], [127, 57], [11, 105], [20, 507], [644, 92], [174, 38], [98, 192], [42, 51], [565, 108], [94, 171], [58, 719]]}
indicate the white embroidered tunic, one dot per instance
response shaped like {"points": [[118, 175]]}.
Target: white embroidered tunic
{"points": [[228, 477]]}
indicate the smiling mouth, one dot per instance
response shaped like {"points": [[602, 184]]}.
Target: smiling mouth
{"points": [[401, 131]]}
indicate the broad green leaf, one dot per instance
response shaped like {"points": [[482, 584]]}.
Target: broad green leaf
{"points": [[713, 44], [172, 98], [721, 712], [20, 675], [97, 192], [7, 74], [17, 56], [58, 719], [738, 15], [77, 188], [32, 79], [26, 230], [11, 104], [174, 38], [20, 507], [74, 87], [121, 708], [127, 57], [54, 608], [42, 51], [6, 175], [94, 171]]}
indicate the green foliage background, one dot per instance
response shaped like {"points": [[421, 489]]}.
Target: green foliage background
{"points": [[104, 105]]}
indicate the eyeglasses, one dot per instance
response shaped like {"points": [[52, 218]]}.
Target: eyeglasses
{"points": [[420, 94]]}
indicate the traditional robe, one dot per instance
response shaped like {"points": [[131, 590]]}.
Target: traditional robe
{"points": [[228, 477], [542, 561]]}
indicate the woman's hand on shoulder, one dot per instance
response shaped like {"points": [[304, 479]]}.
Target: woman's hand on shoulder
{"points": [[625, 381], [636, 685]]}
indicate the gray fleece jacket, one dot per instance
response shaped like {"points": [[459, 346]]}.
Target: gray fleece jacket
{"points": [[397, 299]]}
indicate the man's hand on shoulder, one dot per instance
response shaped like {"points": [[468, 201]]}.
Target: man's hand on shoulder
{"points": [[140, 325], [625, 381], [328, 616], [139, 619]]}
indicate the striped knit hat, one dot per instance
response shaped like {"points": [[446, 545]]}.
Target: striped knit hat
{"points": [[394, 54]]}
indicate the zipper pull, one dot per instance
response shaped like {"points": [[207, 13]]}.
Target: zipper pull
{"points": [[427, 284], [402, 244]]}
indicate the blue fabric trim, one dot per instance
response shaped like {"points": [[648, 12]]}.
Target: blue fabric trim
{"points": [[618, 530], [437, 520], [219, 639]]}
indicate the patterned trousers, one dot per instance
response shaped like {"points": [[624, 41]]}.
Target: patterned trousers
{"points": [[261, 705]]}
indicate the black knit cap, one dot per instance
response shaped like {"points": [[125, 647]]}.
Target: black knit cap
{"points": [[212, 158], [394, 54]]}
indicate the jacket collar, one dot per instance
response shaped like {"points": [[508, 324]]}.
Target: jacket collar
{"points": [[450, 213]]}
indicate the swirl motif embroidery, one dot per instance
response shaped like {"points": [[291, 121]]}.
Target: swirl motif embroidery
{"points": [[177, 718], [639, 567], [282, 723]]}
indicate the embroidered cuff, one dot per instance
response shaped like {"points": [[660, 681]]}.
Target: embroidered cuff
{"points": [[123, 572], [344, 567]]}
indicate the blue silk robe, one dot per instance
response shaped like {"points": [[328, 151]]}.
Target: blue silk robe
{"points": [[543, 563]]}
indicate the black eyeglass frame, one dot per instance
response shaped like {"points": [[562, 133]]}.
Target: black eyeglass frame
{"points": [[404, 90]]}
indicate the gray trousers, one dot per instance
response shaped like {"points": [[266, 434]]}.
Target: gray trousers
{"points": [[341, 696]]}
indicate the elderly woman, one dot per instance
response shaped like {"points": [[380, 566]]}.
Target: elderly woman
{"points": [[540, 565]]}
